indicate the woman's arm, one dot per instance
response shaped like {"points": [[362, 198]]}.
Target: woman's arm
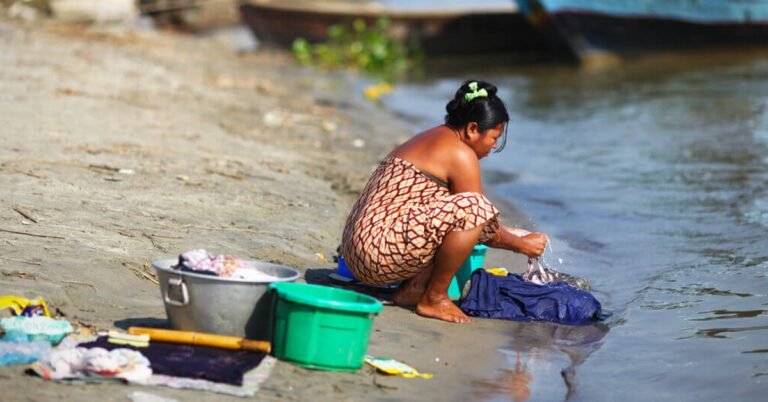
{"points": [[464, 175], [519, 241], [516, 231]]}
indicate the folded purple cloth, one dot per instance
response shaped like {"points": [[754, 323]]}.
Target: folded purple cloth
{"points": [[213, 364]]}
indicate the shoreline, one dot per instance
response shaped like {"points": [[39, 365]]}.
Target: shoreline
{"points": [[127, 146]]}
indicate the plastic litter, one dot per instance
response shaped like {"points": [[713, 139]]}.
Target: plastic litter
{"points": [[26, 307], [374, 92], [36, 328], [498, 271], [394, 367]]}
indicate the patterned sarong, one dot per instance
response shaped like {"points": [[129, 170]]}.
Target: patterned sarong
{"points": [[398, 223]]}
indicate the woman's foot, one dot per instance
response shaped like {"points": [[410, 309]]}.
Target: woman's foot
{"points": [[441, 308]]}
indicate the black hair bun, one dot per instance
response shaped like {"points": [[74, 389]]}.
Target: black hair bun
{"points": [[486, 109], [488, 87]]}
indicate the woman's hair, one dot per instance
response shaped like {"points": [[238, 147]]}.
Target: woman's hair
{"points": [[477, 101]]}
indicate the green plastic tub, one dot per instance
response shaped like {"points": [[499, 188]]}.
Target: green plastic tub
{"points": [[321, 327], [473, 262]]}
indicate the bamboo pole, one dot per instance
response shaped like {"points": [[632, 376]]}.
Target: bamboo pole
{"points": [[202, 339]]}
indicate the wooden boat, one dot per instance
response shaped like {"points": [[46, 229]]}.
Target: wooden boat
{"points": [[593, 28], [449, 27], [190, 15]]}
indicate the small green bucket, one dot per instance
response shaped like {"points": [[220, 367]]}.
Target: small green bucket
{"points": [[321, 327], [473, 262]]}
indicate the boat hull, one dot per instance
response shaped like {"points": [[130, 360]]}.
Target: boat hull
{"points": [[439, 33], [589, 27]]}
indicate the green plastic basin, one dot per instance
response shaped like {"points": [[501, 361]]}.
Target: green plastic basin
{"points": [[473, 262], [321, 327]]}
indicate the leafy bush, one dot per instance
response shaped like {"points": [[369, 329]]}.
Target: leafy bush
{"points": [[371, 49]]}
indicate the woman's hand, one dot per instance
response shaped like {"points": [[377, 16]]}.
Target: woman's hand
{"points": [[519, 241], [534, 244]]}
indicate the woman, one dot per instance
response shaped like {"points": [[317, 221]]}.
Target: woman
{"points": [[423, 209]]}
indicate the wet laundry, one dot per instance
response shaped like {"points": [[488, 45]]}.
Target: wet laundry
{"points": [[540, 274], [513, 298]]}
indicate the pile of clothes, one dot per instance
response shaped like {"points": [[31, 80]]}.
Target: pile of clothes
{"points": [[54, 350], [78, 362], [28, 336], [200, 261]]}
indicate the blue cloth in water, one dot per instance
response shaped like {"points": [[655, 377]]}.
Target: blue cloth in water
{"points": [[512, 298]]}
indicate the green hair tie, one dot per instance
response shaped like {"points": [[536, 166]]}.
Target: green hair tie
{"points": [[469, 96]]}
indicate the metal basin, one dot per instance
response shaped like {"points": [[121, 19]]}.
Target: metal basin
{"points": [[225, 306]]}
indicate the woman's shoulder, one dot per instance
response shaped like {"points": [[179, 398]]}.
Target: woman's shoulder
{"points": [[440, 138], [452, 151], [437, 151]]}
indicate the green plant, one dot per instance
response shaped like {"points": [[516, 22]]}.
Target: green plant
{"points": [[371, 49]]}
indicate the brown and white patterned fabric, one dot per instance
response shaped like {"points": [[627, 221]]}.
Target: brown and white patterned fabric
{"points": [[398, 223]]}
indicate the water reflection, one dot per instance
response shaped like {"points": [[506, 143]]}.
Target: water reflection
{"points": [[533, 347], [652, 180], [514, 383], [700, 291], [719, 332], [727, 314]]}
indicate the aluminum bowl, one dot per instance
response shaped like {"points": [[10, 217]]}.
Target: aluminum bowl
{"points": [[218, 305]]}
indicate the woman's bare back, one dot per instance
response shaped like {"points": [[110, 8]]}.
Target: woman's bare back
{"points": [[441, 153]]}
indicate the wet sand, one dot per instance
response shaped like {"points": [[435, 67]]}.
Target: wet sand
{"points": [[124, 146]]}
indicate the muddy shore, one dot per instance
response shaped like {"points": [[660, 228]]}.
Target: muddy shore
{"points": [[121, 146]]}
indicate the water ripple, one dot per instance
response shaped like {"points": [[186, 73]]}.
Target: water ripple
{"points": [[718, 332], [700, 291], [728, 314]]}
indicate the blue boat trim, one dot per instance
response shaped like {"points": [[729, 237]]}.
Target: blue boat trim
{"points": [[628, 27], [702, 11]]}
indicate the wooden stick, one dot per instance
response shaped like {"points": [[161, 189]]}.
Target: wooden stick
{"points": [[154, 243], [202, 339], [21, 261], [20, 275], [24, 214], [80, 283], [225, 174], [33, 234], [147, 276]]}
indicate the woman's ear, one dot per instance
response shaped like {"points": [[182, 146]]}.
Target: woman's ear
{"points": [[473, 130]]}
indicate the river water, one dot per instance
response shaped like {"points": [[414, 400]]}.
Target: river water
{"points": [[651, 179]]}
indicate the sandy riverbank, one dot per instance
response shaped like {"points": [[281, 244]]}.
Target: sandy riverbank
{"points": [[124, 146]]}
